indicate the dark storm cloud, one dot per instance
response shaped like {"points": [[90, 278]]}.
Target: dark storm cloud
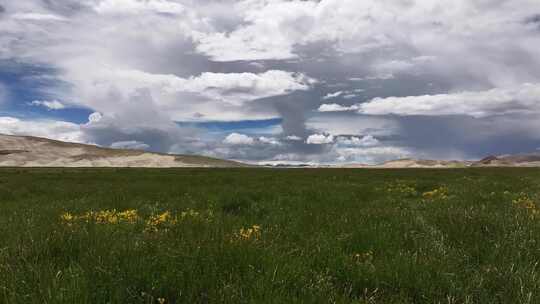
{"points": [[466, 137], [533, 20], [157, 140], [149, 126], [65, 7], [293, 111]]}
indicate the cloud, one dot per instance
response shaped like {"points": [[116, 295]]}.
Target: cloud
{"points": [[319, 139], [269, 141], [262, 37], [59, 130], [273, 29], [208, 96], [130, 144], [38, 17], [236, 88], [294, 138], [499, 101], [337, 153], [101, 72], [332, 95], [238, 139], [366, 141], [138, 6], [334, 107], [374, 77], [95, 117], [51, 105], [347, 94], [386, 69], [371, 155], [396, 37], [141, 120], [354, 124]]}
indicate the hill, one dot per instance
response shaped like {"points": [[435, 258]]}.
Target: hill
{"points": [[518, 160], [28, 151]]}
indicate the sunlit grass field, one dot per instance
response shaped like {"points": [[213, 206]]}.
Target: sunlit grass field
{"points": [[269, 236]]}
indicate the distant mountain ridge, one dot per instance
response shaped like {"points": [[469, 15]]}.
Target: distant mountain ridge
{"points": [[29, 151], [518, 160]]}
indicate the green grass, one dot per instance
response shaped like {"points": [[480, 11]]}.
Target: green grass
{"points": [[327, 236]]}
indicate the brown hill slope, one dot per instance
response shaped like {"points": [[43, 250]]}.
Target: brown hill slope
{"points": [[27, 151], [518, 160]]}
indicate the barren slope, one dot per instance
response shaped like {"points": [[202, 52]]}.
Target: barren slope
{"points": [[25, 151], [518, 160]]}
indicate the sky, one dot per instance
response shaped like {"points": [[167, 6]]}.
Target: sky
{"points": [[276, 81]]}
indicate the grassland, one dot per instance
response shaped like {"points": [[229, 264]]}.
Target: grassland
{"points": [[269, 236]]}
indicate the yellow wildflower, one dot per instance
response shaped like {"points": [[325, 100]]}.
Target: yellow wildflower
{"points": [[155, 222], [526, 203], [439, 193], [401, 188], [249, 234], [129, 216], [68, 217], [103, 217]]}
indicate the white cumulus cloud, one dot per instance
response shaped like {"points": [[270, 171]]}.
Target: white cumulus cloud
{"points": [[238, 139], [294, 138], [499, 101], [320, 139], [59, 130], [269, 141], [334, 107], [138, 6], [332, 95], [38, 17], [208, 96], [95, 117], [365, 141], [51, 105]]}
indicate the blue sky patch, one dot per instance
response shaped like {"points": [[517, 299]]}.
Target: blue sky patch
{"points": [[27, 83]]}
